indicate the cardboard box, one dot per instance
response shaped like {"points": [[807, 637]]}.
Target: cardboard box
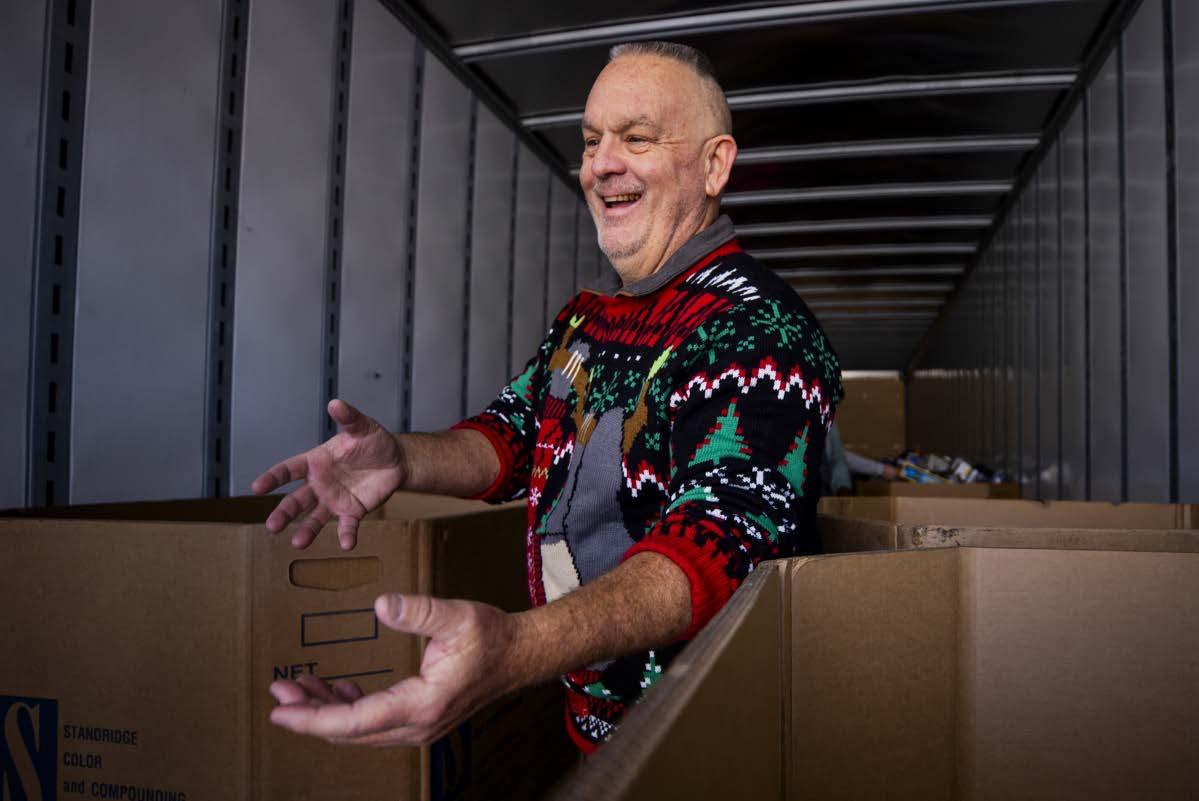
{"points": [[867, 524], [870, 415], [907, 489], [138, 655], [953, 673]]}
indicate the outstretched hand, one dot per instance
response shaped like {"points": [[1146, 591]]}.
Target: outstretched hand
{"points": [[470, 659], [348, 476]]}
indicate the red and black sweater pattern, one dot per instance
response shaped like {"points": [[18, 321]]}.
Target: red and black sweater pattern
{"points": [[689, 422]]}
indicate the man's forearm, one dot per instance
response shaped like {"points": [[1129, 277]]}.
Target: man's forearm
{"points": [[645, 602], [458, 462]]}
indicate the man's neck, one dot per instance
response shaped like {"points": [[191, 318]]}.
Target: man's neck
{"points": [[644, 267]]}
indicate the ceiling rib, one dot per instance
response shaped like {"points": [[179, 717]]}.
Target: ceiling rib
{"points": [[871, 272], [906, 303], [936, 146], [846, 315], [875, 289], [865, 90], [718, 21], [868, 224], [821, 252], [859, 192]]}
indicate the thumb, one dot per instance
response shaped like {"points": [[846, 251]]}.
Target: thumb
{"points": [[417, 614], [351, 421]]}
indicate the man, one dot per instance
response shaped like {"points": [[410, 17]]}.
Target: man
{"points": [[667, 434], [839, 464]]}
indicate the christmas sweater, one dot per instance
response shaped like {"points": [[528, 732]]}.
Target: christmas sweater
{"points": [[683, 415]]}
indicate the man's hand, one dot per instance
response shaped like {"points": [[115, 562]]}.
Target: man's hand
{"points": [[348, 476], [472, 657]]}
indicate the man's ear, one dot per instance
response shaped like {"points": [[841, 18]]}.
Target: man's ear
{"points": [[719, 154]]}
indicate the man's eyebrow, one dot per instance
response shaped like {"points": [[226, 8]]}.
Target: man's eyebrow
{"points": [[623, 125]]}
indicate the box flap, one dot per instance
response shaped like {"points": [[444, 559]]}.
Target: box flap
{"points": [[723, 691], [1080, 675], [1145, 540], [873, 681]]}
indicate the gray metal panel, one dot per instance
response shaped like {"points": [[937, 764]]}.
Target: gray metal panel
{"points": [[1103, 233], [22, 40], [375, 236], [1074, 330], [1029, 354], [439, 299], [1012, 344], [1148, 347], [529, 251], [281, 243], [563, 206], [145, 211], [588, 253], [1186, 109], [1049, 316], [491, 260]]}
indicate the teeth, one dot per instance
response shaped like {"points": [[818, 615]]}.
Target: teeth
{"points": [[620, 198]]}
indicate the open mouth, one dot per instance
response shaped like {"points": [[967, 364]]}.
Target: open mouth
{"points": [[621, 201]]}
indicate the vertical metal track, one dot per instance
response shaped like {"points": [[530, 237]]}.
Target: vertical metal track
{"points": [[418, 74], [545, 272], [1086, 292], [337, 183], [1061, 332], [512, 368], [1172, 298], [468, 253], [223, 251], [1122, 184], [64, 92], [1035, 187]]}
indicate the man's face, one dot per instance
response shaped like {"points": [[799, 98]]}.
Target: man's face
{"points": [[643, 171]]}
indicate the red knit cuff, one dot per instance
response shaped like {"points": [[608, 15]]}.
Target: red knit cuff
{"points": [[711, 587], [501, 451]]}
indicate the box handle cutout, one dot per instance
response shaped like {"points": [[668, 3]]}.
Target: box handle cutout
{"points": [[337, 573]]}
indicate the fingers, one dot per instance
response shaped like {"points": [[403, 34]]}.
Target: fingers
{"points": [[367, 715], [295, 505], [285, 472], [351, 421], [311, 527], [347, 690], [347, 532]]}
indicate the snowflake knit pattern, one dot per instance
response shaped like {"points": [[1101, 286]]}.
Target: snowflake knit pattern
{"points": [[687, 421]]}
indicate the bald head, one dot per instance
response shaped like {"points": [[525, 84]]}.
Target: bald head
{"points": [[706, 87]]}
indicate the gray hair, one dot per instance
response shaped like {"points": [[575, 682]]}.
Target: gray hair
{"points": [[684, 54]]}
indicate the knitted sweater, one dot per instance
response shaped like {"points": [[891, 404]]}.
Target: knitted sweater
{"points": [[683, 415]]}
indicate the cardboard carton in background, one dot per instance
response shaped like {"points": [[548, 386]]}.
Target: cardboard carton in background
{"points": [[870, 416], [952, 673], [908, 489], [174, 631]]}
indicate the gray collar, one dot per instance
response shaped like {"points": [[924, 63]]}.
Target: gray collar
{"points": [[694, 249]]}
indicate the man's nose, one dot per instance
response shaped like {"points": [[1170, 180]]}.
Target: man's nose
{"points": [[607, 159]]}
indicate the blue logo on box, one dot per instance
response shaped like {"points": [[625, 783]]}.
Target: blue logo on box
{"points": [[28, 748]]}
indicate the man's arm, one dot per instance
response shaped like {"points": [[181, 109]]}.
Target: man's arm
{"points": [[477, 653]]}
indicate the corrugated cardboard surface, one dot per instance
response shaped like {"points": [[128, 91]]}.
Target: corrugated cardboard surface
{"points": [[1014, 513], [177, 629], [906, 489], [713, 725], [870, 416], [1080, 675], [873, 683], [151, 636]]}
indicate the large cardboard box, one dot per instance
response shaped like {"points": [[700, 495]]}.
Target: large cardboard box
{"points": [[955, 674], [865, 524], [907, 489], [138, 654]]}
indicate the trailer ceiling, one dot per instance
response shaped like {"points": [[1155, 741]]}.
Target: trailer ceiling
{"points": [[878, 138]]}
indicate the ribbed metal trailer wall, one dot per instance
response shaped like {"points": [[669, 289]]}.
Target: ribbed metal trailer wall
{"points": [[254, 206], [1070, 356]]}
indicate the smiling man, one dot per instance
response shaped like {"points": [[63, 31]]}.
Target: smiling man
{"points": [[667, 435]]}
